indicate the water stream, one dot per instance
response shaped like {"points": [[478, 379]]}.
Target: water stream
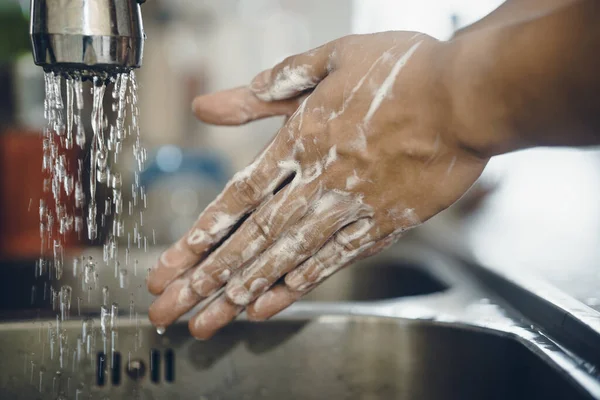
{"points": [[83, 170]]}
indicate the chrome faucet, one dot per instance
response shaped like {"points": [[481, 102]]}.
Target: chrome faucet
{"points": [[87, 37]]}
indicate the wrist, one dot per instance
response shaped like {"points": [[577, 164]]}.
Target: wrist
{"points": [[531, 83], [479, 116]]}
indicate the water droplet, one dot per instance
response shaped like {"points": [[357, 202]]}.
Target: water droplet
{"points": [[123, 279], [161, 330], [104, 320], [131, 308], [114, 315], [65, 301], [105, 295], [76, 266]]}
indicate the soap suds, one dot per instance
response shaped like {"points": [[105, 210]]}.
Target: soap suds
{"points": [[198, 236], [451, 166], [352, 181], [331, 156], [356, 88], [222, 222], [386, 86], [411, 216], [224, 275], [288, 82], [186, 296], [172, 257], [258, 285], [300, 112], [331, 212], [360, 140]]}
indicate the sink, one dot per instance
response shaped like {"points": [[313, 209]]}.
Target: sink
{"points": [[328, 357], [381, 277], [378, 279]]}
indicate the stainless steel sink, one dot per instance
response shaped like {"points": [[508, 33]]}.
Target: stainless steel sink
{"points": [[407, 324], [334, 357], [382, 279]]}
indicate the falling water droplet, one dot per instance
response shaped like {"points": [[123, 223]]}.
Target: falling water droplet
{"points": [[104, 320], [123, 279], [114, 315], [105, 295]]}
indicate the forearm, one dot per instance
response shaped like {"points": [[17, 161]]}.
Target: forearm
{"points": [[534, 83], [514, 11]]}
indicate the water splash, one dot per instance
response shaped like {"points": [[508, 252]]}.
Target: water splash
{"points": [[82, 172]]}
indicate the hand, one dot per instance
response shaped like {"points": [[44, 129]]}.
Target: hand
{"points": [[368, 152]]}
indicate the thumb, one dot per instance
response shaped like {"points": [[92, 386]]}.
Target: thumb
{"points": [[295, 74], [239, 106]]}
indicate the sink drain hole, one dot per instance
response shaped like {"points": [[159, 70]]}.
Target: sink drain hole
{"points": [[169, 365], [100, 369], [116, 369], [155, 365]]}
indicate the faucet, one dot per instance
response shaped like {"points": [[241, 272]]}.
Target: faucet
{"points": [[87, 38]]}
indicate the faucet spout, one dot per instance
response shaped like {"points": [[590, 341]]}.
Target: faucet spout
{"points": [[87, 37]]}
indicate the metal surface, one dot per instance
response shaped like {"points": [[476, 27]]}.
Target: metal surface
{"points": [[382, 278], [459, 343], [546, 301], [325, 358], [87, 35], [405, 271]]}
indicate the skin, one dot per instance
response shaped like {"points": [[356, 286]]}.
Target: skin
{"points": [[383, 132]]}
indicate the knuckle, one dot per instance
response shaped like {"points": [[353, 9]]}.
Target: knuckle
{"points": [[248, 190], [280, 69], [345, 243], [218, 263], [259, 228], [300, 242]]}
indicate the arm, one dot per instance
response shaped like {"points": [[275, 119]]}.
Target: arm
{"points": [[530, 83], [513, 11]]}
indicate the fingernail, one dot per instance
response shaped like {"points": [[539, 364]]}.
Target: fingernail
{"points": [[204, 286], [239, 295], [305, 286], [174, 256], [258, 286], [195, 104], [197, 236], [295, 281], [170, 257], [260, 83], [263, 301]]}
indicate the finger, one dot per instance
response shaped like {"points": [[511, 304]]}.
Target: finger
{"points": [[275, 300], [255, 235], [170, 265], [379, 246], [246, 190], [177, 299], [239, 106], [295, 74], [343, 248], [332, 212], [280, 296], [216, 315]]}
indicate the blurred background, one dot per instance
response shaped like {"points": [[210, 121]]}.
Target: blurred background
{"points": [[537, 208]]}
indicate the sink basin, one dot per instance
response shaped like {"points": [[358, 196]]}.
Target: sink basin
{"points": [[377, 280], [337, 357]]}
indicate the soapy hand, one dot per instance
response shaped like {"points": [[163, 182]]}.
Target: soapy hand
{"points": [[368, 151]]}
